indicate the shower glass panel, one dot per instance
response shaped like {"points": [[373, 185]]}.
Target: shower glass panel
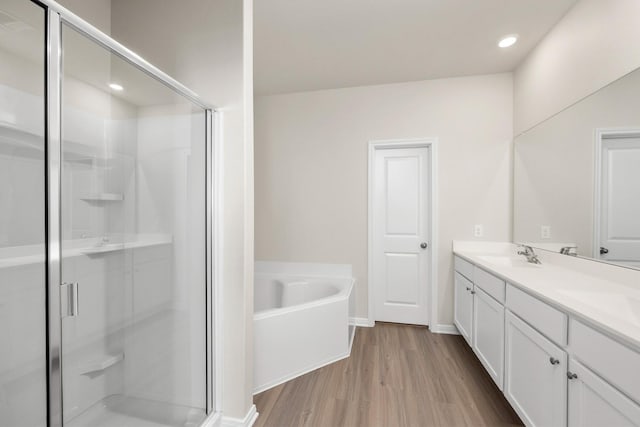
{"points": [[23, 382], [133, 244]]}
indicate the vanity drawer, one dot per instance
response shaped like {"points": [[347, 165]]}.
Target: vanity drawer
{"points": [[543, 317], [489, 283], [463, 267], [613, 361]]}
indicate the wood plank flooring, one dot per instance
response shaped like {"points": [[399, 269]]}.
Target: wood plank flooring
{"points": [[397, 375]]}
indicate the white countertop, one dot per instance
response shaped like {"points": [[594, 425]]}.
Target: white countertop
{"points": [[601, 295]]}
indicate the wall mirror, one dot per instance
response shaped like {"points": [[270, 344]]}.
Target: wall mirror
{"points": [[577, 178]]}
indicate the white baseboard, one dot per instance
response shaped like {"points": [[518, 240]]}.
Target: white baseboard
{"points": [[444, 329], [363, 322], [247, 421], [352, 339], [437, 329]]}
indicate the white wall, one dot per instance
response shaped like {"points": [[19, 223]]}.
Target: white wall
{"points": [[202, 44], [311, 168], [597, 42]]}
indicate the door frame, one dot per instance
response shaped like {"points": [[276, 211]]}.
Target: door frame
{"points": [[432, 291], [602, 134]]}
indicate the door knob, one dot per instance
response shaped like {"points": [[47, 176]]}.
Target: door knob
{"points": [[423, 245], [603, 250]]}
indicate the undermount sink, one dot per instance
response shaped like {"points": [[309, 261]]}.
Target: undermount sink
{"points": [[507, 261]]}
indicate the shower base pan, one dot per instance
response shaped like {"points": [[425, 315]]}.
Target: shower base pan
{"points": [[123, 411]]}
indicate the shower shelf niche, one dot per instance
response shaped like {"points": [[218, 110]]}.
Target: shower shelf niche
{"points": [[27, 144], [101, 365], [94, 161], [20, 143], [103, 197], [111, 247]]}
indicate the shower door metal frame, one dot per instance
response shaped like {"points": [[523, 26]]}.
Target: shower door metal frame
{"points": [[53, 165], [56, 15]]}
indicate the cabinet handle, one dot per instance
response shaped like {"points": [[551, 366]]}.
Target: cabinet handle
{"points": [[554, 361], [572, 376], [468, 288], [473, 292]]}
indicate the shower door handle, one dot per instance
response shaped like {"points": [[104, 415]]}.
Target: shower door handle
{"points": [[69, 299]]}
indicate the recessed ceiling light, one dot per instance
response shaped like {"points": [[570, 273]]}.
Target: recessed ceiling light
{"points": [[508, 41], [116, 86]]}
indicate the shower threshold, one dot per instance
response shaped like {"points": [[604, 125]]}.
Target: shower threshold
{"points": [[123, 411]]}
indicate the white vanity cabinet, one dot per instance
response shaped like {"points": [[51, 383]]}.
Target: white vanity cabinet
{"points": [[463, 307], [488, 334], [479, 315], [604, 379], [552, 365], [535, 361], [594, 402], [535, 375], [613, 361]]}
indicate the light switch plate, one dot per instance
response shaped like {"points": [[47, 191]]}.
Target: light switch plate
{"points": [[478, 230]]}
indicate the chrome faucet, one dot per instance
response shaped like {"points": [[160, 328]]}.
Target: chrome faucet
{"points": [[104, 240], [569, 250], [528, 252]]}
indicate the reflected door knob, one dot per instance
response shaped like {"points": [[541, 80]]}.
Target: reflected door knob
{"points": [[423, 245]]}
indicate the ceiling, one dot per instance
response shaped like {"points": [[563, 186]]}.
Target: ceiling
{"points": [[22, 36], [86, 61], [303, 45]]}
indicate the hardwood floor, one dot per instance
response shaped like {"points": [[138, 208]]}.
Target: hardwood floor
{"points": [[397, 375]]}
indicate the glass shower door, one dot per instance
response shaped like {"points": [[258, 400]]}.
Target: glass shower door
{"points": [[133, 245], [23, 381]]}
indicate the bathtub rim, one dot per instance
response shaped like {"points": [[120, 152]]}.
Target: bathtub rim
{"points": [[342, 294]]}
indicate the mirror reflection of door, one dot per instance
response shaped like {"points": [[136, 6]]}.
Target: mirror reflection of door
{"points": [[619, 208]]}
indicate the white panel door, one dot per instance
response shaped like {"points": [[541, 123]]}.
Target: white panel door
{"points": [[594, 403], [620, 201], [488, 334], [535, 381], [400, 235]]}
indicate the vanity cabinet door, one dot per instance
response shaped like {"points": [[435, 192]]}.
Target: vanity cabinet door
{"points": [[535, 375], [463, 306], [488, 334], [593, 402]]}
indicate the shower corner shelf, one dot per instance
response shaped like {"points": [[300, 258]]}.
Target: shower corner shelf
{"points": [[101, 365], [103, 197], [90, 161]]}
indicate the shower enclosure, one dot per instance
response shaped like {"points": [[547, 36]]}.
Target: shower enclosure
{"points": [[106, 189]]}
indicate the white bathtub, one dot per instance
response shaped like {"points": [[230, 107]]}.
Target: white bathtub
{"points": [[302, 318]]}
